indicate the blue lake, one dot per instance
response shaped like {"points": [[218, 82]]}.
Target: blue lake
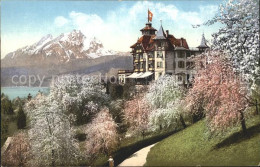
{"points": [[13, 92]]}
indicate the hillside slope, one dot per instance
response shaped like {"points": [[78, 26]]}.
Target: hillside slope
{"points": [[192, 147]]}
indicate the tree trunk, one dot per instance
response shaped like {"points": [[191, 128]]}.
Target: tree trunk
{"points": [[20, 157], [107, 88], [143, 134], [52, 158], [256, 107], [182, 121], [243, 122]]}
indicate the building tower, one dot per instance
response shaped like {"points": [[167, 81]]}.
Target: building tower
{"points": [[203, 44], [148, 29]]}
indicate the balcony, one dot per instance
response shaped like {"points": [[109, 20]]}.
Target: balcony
{"points": [[150, 57], [136, 60], [124, 71], [142, 59], [136, 70], [141, 70], [151, 68]]}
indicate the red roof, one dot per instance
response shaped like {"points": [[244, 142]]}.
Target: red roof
{"points": [[148, 28], [178, 42], [145, 40], [148, 43]]}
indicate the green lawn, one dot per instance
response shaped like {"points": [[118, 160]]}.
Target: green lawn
{"points": [[193, 147], [127, 142]]}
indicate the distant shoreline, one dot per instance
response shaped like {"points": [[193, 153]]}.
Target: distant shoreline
{"points": [[23, 91], [24, 87]]}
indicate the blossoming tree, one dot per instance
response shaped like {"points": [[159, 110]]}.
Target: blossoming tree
{"points": [[165, 98], [219, 90], [19, 151], [239, 35], [102, 136], [50, 133], [136, 113], [79, 95]]}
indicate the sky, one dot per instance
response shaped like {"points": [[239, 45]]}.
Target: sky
{"points": [[116, 24]]}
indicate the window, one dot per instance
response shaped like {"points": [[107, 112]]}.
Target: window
{"points": [[188, 77], [159, 65], [150, 55], [181, 64], [189, 65], [159, 44], [179, 78], [141, 56], [142, 65], [181, 54], [159, 55], [151, 65], [188, 54]]}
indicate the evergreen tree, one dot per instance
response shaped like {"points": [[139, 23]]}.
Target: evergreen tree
{"points": [[6, 106], [29, 97], [21, 118]]}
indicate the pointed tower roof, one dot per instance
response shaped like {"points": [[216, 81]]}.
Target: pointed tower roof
{"points": [[203, 43], [160, 34]]}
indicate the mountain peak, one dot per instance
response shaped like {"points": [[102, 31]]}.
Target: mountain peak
{"points": [[64, 48], [44, 40]]}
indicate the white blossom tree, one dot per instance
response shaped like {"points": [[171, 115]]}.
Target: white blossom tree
{"points": [[164, 96], [102, 136], [79, 95], [51, 134], [239, 35]]}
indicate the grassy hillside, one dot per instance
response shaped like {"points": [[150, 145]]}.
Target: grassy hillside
{"points": [[192, 146]]}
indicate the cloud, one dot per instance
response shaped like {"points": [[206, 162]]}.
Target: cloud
{"points": [[60, 21], [119, 29], [90, 24]]}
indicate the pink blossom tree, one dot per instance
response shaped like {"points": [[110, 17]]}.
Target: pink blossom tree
{"points": [[136, 113], [102, 136], [18, 152], [219, 91]]}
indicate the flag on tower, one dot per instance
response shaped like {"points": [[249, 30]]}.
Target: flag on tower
{"points": [[150, 16]]}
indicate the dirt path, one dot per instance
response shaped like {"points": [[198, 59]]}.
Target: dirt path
{"points": [[138, 158]]}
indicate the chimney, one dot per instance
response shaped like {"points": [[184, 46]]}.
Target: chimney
{"points": [[167, 33], [181, 41]]}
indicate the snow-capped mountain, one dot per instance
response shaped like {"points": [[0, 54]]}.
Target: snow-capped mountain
{"points": [[69, 53], [65, 47]]}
